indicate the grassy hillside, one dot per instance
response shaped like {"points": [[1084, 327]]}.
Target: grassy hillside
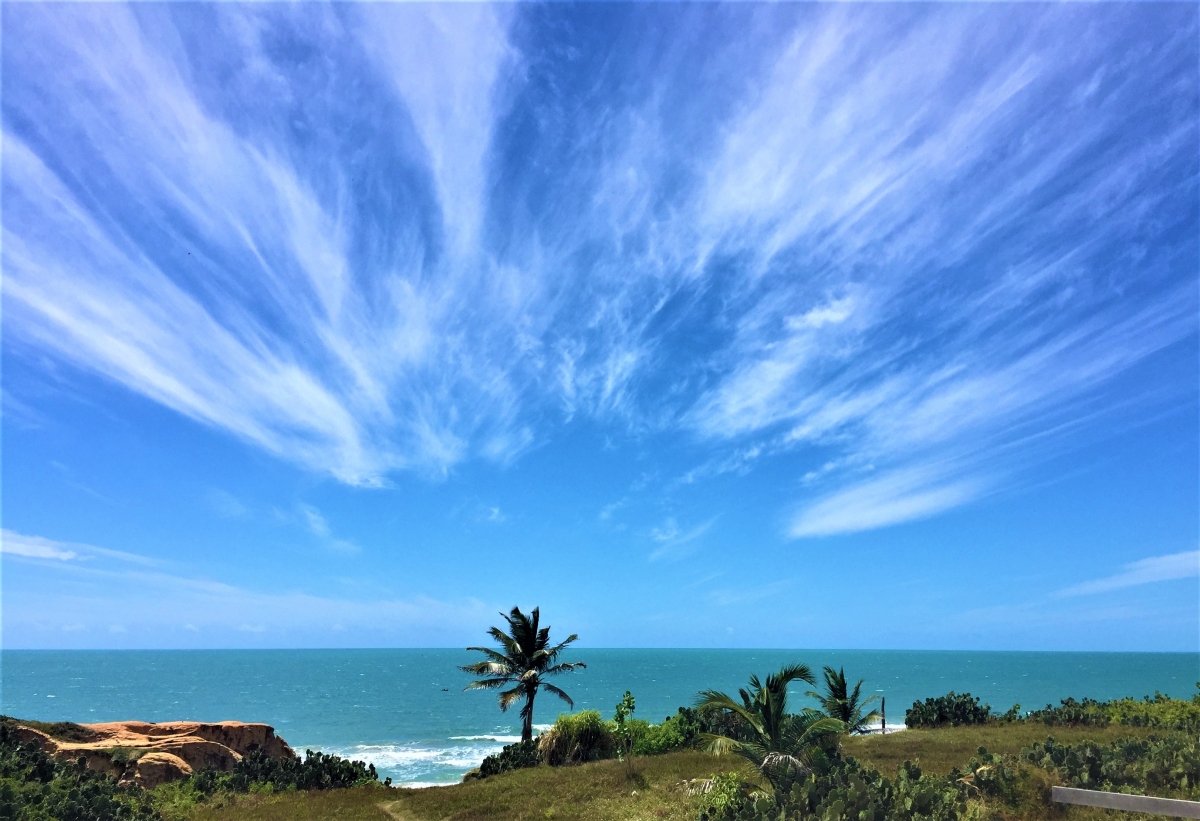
{"points": [[603, 791], [943, 749]]}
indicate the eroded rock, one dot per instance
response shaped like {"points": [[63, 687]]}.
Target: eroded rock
{"points": [[150, 754]]}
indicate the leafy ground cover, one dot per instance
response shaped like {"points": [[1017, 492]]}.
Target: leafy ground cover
{"points": [[36, 787], [941, 750]]}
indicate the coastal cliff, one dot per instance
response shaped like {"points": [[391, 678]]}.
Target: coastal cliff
{"points": [[150, 754]]}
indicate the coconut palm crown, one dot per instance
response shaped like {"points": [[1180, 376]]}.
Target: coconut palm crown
{"points": [[839, 702], [781, 744], [525, 657]]}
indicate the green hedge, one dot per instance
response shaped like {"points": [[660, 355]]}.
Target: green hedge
{"points": [[316, 771], [952, 709], [513, 757], [1170, 764]]}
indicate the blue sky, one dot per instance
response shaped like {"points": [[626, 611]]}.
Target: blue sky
{"points": [[744, 325]]}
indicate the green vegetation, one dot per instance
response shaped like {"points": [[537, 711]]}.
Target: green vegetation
{"points": [[941, 750], [680, 786], [782, 746], [61, 730], [847, 706], [526, 659], [513, 757], [36, 787], [599, 791], [577, 738], [1170, 764], [1160, 712], [950, 710], [258, 771]]}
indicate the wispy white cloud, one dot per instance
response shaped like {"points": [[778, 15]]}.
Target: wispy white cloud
{"points": [[314, 521], [880, 244], [37, 547], [316, 524], [1172, 567], [897, 497], [34, 547], [675, 542]]}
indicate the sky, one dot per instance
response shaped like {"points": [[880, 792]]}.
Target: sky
{"points": [[704, 325]]}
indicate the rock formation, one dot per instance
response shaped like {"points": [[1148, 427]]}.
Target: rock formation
{"points": [[151, 754]]}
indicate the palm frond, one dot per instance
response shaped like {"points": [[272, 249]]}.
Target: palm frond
{"points": [[790, 673], [487, 668], [508, 697], [495, 656], [716, 744], [487, 684], [550, 688]]}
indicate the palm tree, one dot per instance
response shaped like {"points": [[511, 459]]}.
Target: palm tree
{"points": [[781, 744], [839, 703], [523, 661]]}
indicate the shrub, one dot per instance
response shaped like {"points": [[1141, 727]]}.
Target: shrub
{"points": [[1160, 712], [952, 710], [656, 739], [513, 757], [1086, 713], [844, 790], [316, 771], [725, 794], [577, 738], [1156, 764], [36, 787], [713, 720]]}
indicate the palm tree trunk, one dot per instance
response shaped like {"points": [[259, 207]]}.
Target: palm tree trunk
{"points": [[527, 726]]}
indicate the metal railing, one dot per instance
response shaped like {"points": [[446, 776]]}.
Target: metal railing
{"points": [[1173, 807]]}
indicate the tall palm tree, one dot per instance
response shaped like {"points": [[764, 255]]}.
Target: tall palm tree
{"points": [[781, 743], [523, 660], [838, 702]]}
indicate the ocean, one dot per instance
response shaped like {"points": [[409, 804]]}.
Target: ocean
{"points": [[405, 710]]}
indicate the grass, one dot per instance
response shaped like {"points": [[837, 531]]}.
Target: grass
{"points": [[356, 804], [941, 750], [602, 791]]}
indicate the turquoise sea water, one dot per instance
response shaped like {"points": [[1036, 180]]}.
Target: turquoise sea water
{"points": [[406, 712]]}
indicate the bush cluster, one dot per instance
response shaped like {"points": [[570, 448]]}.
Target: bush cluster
{"points": [[585, 736], [513, 757], [1160, 712], [1157, 764], [1072, 713], [577, 738], [952, 709], [316, 771], [842, 789], [36, 787]]}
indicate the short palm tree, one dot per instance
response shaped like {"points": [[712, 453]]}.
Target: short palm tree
{"points": [[781, 744], [838, 702], [524, 659]]}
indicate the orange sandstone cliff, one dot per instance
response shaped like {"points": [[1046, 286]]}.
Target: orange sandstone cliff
{"points": [[151, 754]]}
